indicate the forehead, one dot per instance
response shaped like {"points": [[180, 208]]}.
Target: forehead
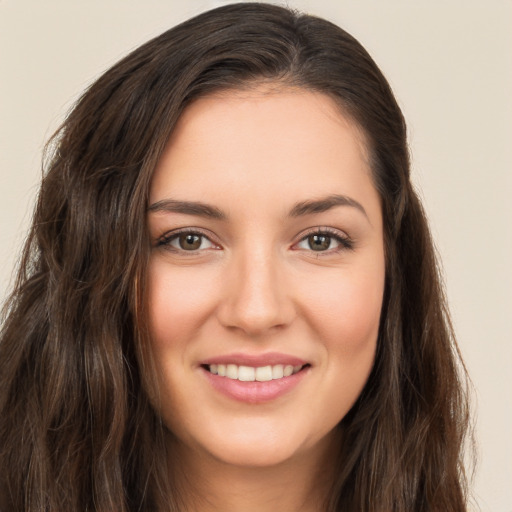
{"points": [[266, 107], [262, 143]]}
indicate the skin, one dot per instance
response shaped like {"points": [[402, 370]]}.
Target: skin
{"points": [[255, 286]]}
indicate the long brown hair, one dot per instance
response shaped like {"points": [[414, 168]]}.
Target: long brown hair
{"points": [[77, 431]]}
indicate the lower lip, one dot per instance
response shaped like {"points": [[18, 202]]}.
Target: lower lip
{"points": [[255, 392]]}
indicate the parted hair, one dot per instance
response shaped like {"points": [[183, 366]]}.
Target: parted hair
{"points": [[77, 429]]}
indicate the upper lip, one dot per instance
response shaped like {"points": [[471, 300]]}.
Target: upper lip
{"points": [[256, 360]]}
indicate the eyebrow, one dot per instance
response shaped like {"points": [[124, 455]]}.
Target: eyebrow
{"points": [[300, 209], [188, 207], [324, 204]]}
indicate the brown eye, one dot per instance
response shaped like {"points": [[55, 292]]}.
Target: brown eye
{"points": [[186, 241], [189, 241], [325, 241], [319, 242]]}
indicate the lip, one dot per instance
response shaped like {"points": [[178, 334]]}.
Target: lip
{"points": [[255, 392], [256, 360]]}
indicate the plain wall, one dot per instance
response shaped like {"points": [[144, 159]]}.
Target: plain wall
{"points": [[451, 69]]}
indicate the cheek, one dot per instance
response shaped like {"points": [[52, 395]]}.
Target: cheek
{"points": [[343, 315], [346, 309], [179, 299], [347, 319]]}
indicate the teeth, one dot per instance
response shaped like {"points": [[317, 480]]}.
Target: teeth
{"points": [[250, 374], [277, 371], [288, 370], [263, 373], [246, 374], [232, 371]]}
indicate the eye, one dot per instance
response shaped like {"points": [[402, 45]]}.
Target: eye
{"points": [[187, 241], [325, 241]]}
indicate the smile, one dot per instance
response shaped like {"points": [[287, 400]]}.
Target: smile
{"points": [[255, 379], [252, 374]]}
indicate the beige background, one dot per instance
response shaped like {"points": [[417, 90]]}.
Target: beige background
{"points": [[450, 66]]}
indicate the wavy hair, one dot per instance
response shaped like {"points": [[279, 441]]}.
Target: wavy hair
{"points": [[77, 431]]}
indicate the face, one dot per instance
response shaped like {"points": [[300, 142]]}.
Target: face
{"points": [[266, 274]]}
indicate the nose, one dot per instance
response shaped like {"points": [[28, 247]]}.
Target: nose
{"points": [[256, 299]]}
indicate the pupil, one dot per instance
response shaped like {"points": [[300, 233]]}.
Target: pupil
{"points": [[190, 242], [319, 242]]}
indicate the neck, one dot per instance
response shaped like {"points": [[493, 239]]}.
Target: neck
{"points": [[300, 484]]}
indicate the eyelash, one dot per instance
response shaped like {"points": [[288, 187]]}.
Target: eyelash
{"points": [[345, 243], [165, 240]]}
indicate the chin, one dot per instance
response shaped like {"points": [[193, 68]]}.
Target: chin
{"points": [[255, 455], [256, 444]]}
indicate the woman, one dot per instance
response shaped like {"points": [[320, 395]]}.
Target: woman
{"points": [[229, 299]]}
